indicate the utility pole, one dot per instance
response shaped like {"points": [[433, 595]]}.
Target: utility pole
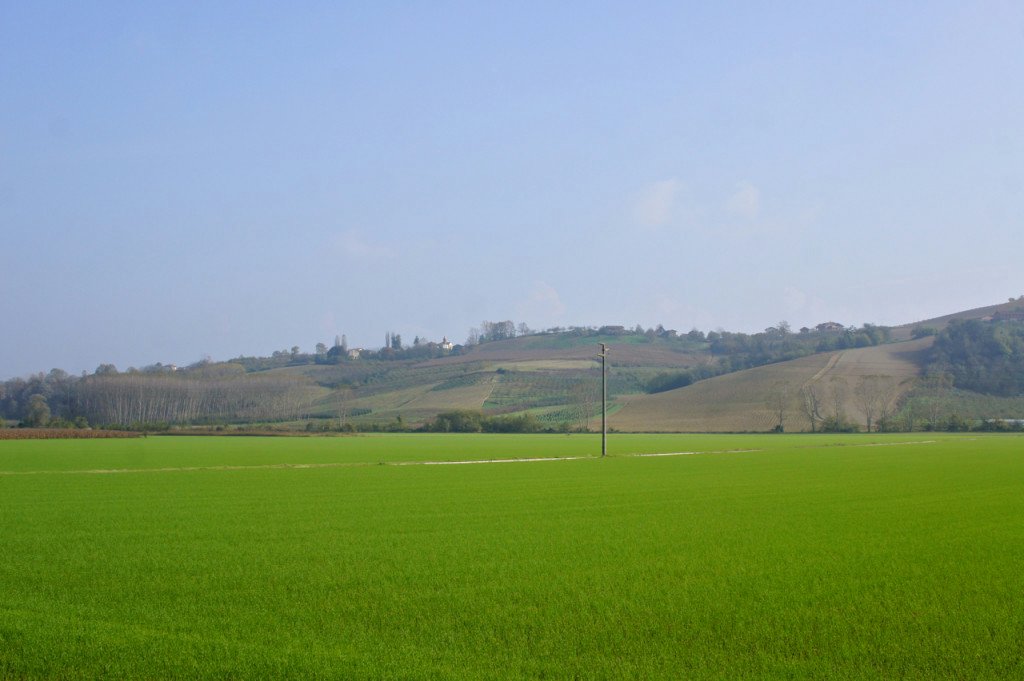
{"points": [[604, 399]]}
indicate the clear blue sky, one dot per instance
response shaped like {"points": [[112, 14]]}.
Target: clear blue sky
{"points": [[189, 179]]}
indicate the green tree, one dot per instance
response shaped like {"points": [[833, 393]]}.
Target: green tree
{"points": [[38, 412], [836, 421], [457, 421], [986, 357]]}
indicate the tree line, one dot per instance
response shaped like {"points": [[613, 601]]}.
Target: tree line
{"points": [[468, 421], [222, 392], [984, 357], [738, 351], [824, 404]]}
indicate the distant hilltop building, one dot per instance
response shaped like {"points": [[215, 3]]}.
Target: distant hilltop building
{"points": [[446, 344], [829, 326]]}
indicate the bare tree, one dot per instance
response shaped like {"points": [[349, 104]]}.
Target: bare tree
{"points": [[936, 388], [911, 413], [777, 401], [168, 398], [837, 393], [865, 394], [811, 402], [344, 397], [888, 402]]}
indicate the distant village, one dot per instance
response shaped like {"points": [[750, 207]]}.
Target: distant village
{"points": [[392, 342]]}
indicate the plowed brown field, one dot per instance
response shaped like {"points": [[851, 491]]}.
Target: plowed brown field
{"points": [[739, 402]]}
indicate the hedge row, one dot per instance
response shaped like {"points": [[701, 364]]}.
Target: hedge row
{"points": [[60, 433]]}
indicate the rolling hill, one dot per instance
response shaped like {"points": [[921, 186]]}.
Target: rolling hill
{"points": [[733, 382], [745, 400], [555, 378]]}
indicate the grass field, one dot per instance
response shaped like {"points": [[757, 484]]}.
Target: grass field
{"points": [[783, 556]]}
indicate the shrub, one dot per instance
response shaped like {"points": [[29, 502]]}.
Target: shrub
{"points": [[832, 424]]}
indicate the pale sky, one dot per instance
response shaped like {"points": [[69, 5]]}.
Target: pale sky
{"points": [[236, 178]]}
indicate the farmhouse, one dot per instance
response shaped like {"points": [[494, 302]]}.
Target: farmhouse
{"points": [[446, 344], [826, 327]]}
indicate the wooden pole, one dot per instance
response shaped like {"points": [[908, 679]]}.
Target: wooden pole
{"points": [[604, 400]]}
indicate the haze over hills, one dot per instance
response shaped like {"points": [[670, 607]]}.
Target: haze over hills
{"points": [[659, 380]]}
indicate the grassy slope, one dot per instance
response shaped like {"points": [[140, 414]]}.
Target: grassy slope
{"points": [[518, 374], [903, 332], [820, 559], [740, 401], [539, 372]]}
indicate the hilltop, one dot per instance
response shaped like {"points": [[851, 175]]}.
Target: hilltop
{"points": [[1013, 306]]}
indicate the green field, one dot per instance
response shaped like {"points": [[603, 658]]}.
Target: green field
{"points": [[802, 557]]}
